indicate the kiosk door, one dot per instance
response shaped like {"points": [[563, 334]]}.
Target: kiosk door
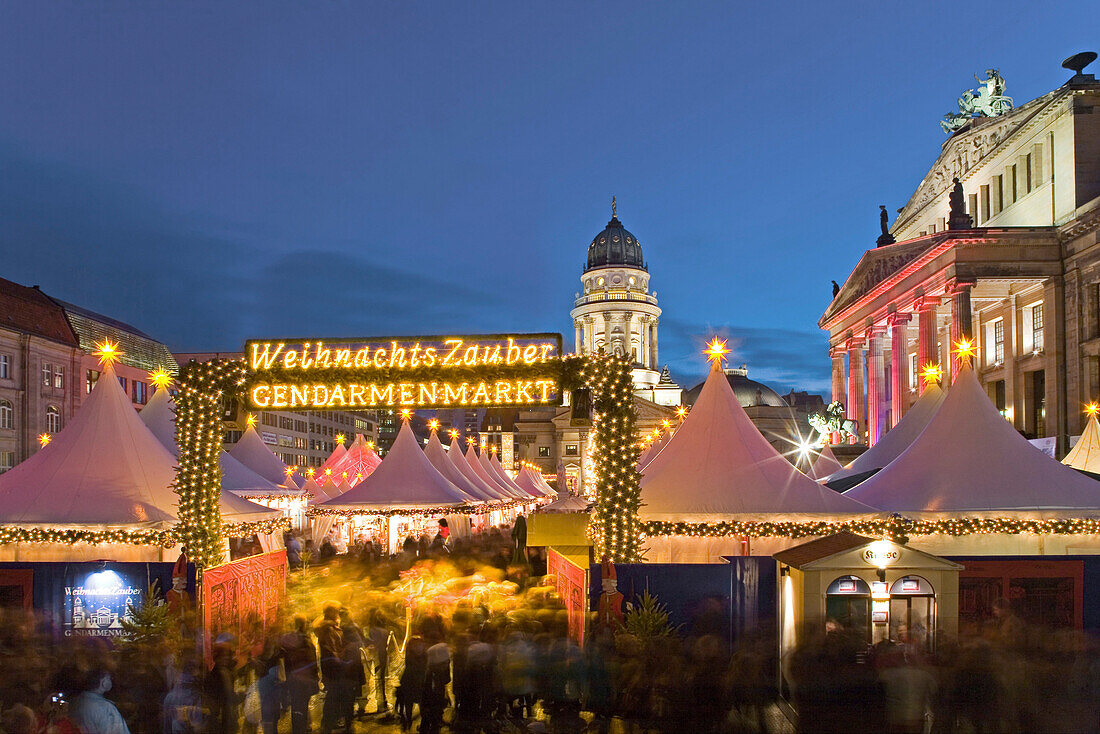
{"points": [[913, 611], [848, 603]]}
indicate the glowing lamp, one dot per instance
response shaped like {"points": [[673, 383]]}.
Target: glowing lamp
{"points": [[470, 440], [310, 472], [160, 378], [44, 439], [931, 373], [716, 351], [250, 421], [406, 414], [682, 412], [454, 433], [108, 352], [965, 349], [340, 438], [433, 424], [1092, 408]]}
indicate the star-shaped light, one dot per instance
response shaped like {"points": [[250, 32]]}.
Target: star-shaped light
{"points": [[433, 425], [250, 421], [370, 444], [290, 470], [716, 351], [44, 439], [160, 378], [406, 414], [328, 472], [1092, 408], [340, 438], [454, 433], [931, 373], [108, 352], [470, 440], [310, 472], [681, 412], [965, 349]]}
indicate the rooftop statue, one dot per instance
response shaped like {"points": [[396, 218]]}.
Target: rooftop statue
{"points": [[988, 101], [958, 219], [833, 421]]}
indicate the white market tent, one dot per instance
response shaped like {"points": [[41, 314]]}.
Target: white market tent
{"points": [[494, 466], [459, 461], [825, 465], [533, 483], [104, 470], [650, 452], [479, 468], [435, 453], [970, 460], [251, 451], [1086, 453], [718, 467], [894, 443], [568, 503]]}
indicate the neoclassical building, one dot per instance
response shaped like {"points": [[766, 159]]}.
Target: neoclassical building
{"points": [[1018, 271]]}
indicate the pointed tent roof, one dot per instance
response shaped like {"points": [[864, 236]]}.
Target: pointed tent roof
{"points": [[405, 478], [486, 470], [312, 488], [358, 461], [894, 443], [337, 453], [568, 503], [970, 459], [435, 453], [104, 468], [1086, 453], [159, 416], [474, 462], [718, 464], [550, 491], [254, 453], [650, 452], [824, 465], [497, 469], [456, 457], [526, 480]]}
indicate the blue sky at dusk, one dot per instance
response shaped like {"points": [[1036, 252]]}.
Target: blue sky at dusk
{"points": [[213, 172]]}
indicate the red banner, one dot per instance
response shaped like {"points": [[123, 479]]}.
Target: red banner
{"points": [[572, 585], [242, 591]]}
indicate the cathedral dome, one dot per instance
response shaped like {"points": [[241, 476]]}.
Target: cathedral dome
{"points": [[615, 246], [750, 393]]}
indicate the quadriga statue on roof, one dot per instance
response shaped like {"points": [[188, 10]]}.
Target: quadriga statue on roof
{"points": [[834, 421], [988, 101]]}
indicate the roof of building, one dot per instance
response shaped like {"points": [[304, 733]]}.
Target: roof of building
{"points": [[970, 459], [30, 311], [750, 393], [138, 348], [815, 550], [615, 246]]}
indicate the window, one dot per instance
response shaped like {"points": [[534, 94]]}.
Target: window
{"points": [[914, 373], [1037, 327], [47, 374], [5, 366], [7, 415], [53, 419], [91, 379], [58, 376], [999, 341], [140, 392], [122, 381], [232, 436], [571, 449], [7, 460], [299, 442], [544, 452]]}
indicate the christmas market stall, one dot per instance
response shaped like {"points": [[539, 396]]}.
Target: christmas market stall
{"points": [[719, 488], [1085, 454]]}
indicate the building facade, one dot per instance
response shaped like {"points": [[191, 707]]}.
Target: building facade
{"points": [[1018, 273]]}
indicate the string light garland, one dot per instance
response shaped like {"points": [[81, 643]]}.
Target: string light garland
{"points": [[479, 509], [71, 536]]}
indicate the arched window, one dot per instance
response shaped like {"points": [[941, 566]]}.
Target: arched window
{"points": [[53, 419], [7, 415]]}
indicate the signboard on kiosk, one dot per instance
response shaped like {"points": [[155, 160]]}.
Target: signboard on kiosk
{"points": [[428, 372]]}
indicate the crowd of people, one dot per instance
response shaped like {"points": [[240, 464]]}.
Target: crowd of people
{"points": [[359, 662]]}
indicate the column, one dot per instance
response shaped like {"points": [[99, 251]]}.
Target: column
{"points": [[579, 327], [840, 379], [1054, 362], [643, 331], [1013, 392], [653, 362], [628, 337], [962, 325], [855, 386], [876, 384], [608, 324], [899, 366], [926, 337]]}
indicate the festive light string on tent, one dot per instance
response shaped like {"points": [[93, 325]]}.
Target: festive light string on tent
{"points": [[478, 509]]}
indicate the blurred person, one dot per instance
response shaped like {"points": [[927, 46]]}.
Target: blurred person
{"points": [[19, 719], [379, 637], [300, 656], [293, 551], [182, 707], [354, 643], [433, 698], [330, 644], [94, 714], [411, 685], [517, 674], [224, 699]]}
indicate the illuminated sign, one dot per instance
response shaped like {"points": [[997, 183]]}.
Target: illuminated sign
{"points": [[881, 553], [404, 372]]}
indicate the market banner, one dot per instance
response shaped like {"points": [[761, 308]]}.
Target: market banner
{"points": [[238, 593], [571, 581]]}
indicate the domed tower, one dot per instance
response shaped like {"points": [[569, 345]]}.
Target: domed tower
{"points": [[616, 311]]}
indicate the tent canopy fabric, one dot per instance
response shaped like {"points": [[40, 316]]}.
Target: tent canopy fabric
{"points": [[105, 468], [825, 465], [251, 451], [568, 503], [650, 452], [497, 470], [970, 459], [460, 462], [479, 468], [337, 453], [897, 439], [159, 416], [357, 463], [405, 478], [1085, 455], [532, 484], [435, 453], [717, 464]]}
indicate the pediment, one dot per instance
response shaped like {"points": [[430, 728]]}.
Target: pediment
{"points": [[966, 150], [874, 267]]}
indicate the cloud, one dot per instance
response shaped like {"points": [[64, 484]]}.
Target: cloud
{"points": [[785, 359]]}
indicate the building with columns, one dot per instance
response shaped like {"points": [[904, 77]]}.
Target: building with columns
{"points": [[1014, 264]]}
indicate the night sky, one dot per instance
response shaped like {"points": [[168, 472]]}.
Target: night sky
{"points": [[213, 172]]}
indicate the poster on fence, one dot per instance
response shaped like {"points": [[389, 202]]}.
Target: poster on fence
{"points": [[572, 584], [239, 593]]}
